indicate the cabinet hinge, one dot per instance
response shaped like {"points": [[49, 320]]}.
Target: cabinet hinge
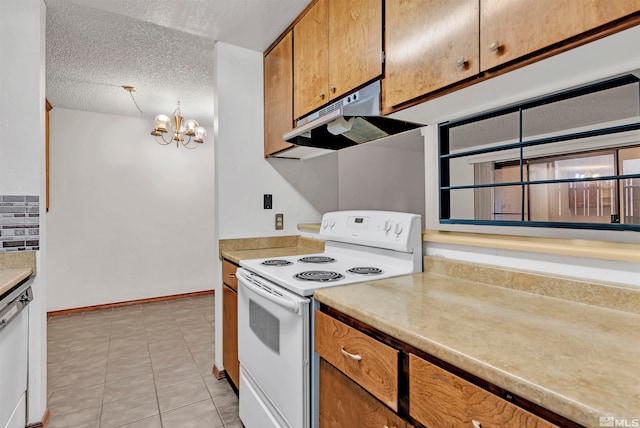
{"points": [[382, 57]]}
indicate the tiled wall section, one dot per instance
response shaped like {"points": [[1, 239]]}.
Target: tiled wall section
{"points": [[19, 223]]}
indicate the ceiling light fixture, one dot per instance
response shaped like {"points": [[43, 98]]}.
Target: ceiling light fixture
{"points": [[190, 128]]}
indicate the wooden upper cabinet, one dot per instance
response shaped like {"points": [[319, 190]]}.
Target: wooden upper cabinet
{"points": [[278, 93], [355, 44], [429, 44], [311, 59], [337, 47], [511, 29]]}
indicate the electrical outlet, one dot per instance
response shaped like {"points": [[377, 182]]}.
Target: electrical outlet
{"points": [[279, 221], [267, 202]]}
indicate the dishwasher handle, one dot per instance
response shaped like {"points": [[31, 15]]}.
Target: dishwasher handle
{"points": [[261, 289]]}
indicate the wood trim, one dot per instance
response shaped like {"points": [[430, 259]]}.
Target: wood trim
{"points": [[49, 107], [605, 250], [128, 303], [573, 42], [43, 423], [219, 374], [488, 386]]}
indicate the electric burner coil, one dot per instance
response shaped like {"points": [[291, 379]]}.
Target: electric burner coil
{"points": [[319, 276]]}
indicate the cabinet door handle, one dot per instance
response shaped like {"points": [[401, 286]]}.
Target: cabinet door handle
{"points": [[461, 62], [476, 424], [495, 46], [321, 94], [332, 89], [232, 275], [348, 355]]}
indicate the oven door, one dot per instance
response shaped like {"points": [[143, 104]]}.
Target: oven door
{"points": [[273, 349]]}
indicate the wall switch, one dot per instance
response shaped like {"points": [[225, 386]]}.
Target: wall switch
{"points": [[279, 221], [268, 202]]}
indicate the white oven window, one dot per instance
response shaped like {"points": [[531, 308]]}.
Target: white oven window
{"points": [[265, 326]]}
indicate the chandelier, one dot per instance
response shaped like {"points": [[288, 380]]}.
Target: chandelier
{"points": [[179, 130]]}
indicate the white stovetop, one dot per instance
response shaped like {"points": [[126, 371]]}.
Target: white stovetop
{"points": [[390, 262]]}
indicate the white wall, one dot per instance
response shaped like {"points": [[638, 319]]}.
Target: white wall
{"points": [[22, 49], [385, 175], [128, 218], [302, 191]]}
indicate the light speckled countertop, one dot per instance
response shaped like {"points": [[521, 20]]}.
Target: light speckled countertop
{"points": [[237, 255], [577, 360], [11, 277]]}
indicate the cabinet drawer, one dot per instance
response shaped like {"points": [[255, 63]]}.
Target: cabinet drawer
{"points": [[371, 364], [229, 274], [438, 398], [344, 404]]}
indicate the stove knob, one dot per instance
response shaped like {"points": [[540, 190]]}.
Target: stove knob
{"points": [[398, 229], [387, 225], [325, 224], [332, 222]]}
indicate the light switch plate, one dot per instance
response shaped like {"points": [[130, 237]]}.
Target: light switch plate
{"points": [[279, 221], [267, 202]]}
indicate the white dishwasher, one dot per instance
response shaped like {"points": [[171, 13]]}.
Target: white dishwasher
{"points": [[14, 338]]}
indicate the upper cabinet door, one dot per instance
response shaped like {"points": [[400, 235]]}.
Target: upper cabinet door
{"points": [[511, 29], [429, 44], [278, 95], [355, 44], [311, 60]]}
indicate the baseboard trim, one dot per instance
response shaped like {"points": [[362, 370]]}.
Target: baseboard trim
{"points": [[43, 423], [128, 303], [219, 374]]}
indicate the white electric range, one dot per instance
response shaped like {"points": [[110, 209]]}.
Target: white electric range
{"points": [[278, 371]]}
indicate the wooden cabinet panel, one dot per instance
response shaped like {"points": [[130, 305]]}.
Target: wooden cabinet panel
{"points": [[230, 334], [371, 364], [355, 44], [229, 274], [438, 398], [278, 95], [311, 59], [429, 44], [521, 27], [345, 404]]}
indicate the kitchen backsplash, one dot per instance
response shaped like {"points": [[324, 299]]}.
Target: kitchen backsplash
{"points": [[19, 223]]}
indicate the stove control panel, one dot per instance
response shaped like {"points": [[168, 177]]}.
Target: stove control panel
{"points": [[384, 229]]}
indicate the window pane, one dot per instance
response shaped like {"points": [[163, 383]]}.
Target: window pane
{"points": [[595, 110], [498, 130], [462, 204], [507, 203]]}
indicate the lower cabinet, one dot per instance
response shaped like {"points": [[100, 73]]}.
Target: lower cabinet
{"points": [[345, 404], [377, 381], [438, 398], [230, 324]]}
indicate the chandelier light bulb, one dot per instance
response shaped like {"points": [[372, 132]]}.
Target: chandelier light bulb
{"points": [[200, 133], [190, 127], [161, 123]]}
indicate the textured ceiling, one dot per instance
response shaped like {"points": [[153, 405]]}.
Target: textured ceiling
{"points": [[162, 47]]}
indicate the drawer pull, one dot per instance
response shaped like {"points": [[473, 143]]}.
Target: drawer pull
{"points": [[352, 356], [476, 424], [232, 275]]}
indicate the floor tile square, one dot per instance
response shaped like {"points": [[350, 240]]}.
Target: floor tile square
{"points": [[128, 410], [198, 415], [182, 394]]}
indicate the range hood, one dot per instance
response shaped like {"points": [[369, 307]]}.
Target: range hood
{"points": [[354, 119]]}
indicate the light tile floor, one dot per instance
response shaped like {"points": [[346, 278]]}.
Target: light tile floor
{"points": [[142, 366]]}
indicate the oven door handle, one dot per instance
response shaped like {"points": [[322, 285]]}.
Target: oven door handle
{"points": [[289, 304]]}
